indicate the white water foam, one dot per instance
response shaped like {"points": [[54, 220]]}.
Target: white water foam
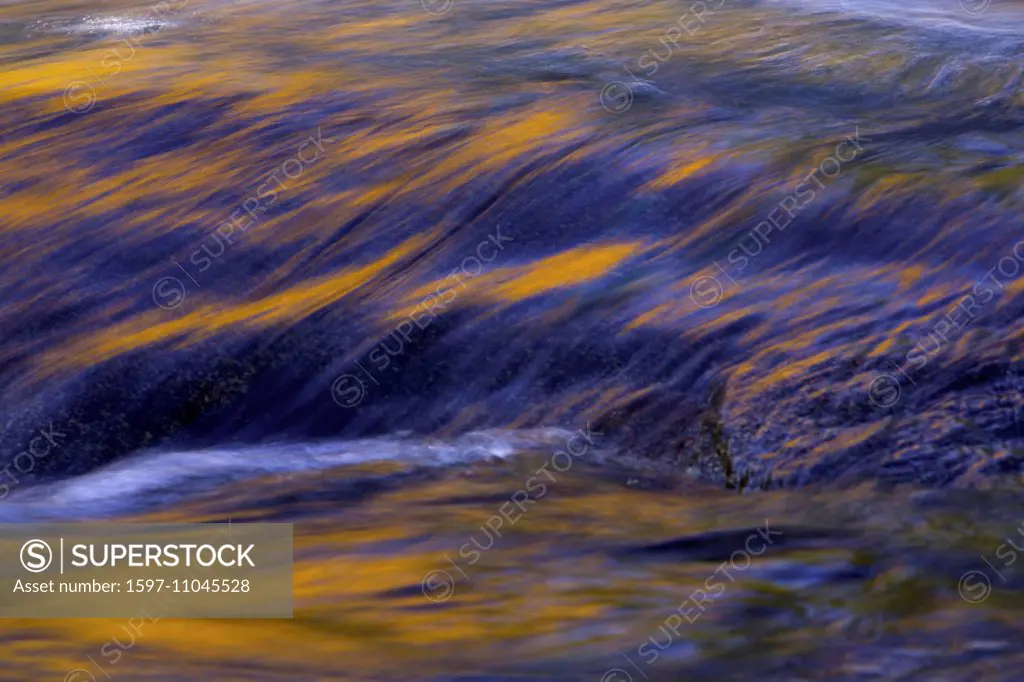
{"points": [[134, 26], [134, 483]]}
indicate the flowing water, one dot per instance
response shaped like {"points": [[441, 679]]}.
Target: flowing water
{"points": [[529, 315]]}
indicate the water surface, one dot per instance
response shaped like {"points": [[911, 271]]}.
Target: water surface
{"points": [[365, 267]]}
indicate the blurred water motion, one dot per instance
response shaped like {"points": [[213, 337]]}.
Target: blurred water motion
{"points": [[365, 266]]}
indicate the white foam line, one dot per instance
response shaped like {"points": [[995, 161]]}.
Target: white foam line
{"points": [[124, 484]]}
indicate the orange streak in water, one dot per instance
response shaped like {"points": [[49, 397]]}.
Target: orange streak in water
{"points": [[204, 322]]}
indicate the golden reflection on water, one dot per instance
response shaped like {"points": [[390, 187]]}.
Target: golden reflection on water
{"points": [[550, 597]]}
